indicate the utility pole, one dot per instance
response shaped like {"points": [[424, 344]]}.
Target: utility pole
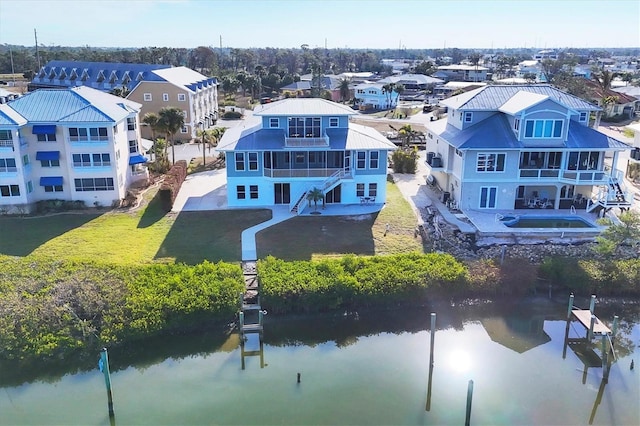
{"points": [[35, 34]]}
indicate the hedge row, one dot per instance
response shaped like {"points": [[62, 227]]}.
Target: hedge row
{"points": [[308, 286], [52, 309], [172, 182]]}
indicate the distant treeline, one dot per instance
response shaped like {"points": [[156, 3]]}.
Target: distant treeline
{"points": [[227, 61]]}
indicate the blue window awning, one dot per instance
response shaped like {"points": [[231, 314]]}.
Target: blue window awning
{"points": [[51, 181], [47, 155], [44, 129], [137, 159]]}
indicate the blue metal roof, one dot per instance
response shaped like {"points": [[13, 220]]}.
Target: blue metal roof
{"points": [[87, 114], [493, 96], [495, 133], [48, 105], [298, 85], [95, 69]]}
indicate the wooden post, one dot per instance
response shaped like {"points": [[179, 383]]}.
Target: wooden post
{"points": [[605, 351], [469, 398], [433, 337], [241, 299], [241, 319], [592, 304], [104, 367], [570, 306], [614, 329], [591, 325]]}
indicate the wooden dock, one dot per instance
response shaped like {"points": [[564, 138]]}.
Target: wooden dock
{"points": [[251, 315], [584, 317]]}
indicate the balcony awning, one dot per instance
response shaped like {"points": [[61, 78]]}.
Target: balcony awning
{"points": [[47, 155], [51, 181], [137, 159], [44, 129]]}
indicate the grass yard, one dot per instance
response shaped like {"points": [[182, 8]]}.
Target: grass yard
{"points": [[312, 237], [149, 235], [145, 236]]}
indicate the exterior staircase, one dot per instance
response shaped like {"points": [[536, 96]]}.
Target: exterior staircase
{"points": [[612, 195], [325, 186]]}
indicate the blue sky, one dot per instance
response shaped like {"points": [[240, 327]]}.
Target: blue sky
{"points": [[411, 24]]}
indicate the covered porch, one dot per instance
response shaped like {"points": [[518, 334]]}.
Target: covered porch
{"points": [[553, 197]]}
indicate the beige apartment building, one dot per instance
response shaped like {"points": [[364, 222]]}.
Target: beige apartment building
{"points": [[195, 94]]}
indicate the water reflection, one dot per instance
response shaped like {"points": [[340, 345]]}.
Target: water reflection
{"points": [[365, 368]]}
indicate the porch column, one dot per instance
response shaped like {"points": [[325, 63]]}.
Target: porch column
{"points": [[614, 163], [556, 200], [596, 124]]}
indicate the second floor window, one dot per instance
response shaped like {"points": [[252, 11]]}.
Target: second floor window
{"points": [[239, 161], [490, 162], [47, 137], [182, 97], [543, 129], [131, 123], [133, 146], [253, 161], [304, 127], [273, 123], [361, 160], [373, 159], [147, 97], [79, 134]]}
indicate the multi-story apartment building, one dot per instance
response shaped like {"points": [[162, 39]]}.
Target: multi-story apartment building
{"points": [[76, 144]]}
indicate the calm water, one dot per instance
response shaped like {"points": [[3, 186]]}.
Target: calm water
{"points": [[548, 222], [355, 369]]}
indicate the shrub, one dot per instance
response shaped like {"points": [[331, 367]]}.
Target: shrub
{"points": [[310, 286], [172, 184], [404, 161], [232, 115]]}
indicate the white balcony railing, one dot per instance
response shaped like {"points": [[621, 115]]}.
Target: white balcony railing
{"points": [[322, 141], [301, 173]]}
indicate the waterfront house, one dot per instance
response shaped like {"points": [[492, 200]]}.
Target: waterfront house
{"points": [[374, 96], [523, 147], [293, 146], [76, 144]]}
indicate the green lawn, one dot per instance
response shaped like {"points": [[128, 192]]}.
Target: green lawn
{"points": [[310, 237], [145, 236], [149, 235]]}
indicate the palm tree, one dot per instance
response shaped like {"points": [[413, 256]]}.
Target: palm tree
{"points": [[315, 195], [344, 89], [398, 88], [388, 89], [205, 137], [408, 134], [171, 120], [151, 119]]}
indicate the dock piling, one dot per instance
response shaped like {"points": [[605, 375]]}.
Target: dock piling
{"points": [[469, 399], [615, 325], [433, 337], [104, 367], [592, 304], [570, 306], [591, 325]]}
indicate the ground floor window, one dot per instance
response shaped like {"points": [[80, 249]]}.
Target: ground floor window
{"points": [[241, 192], [253, 192], [94, 184], [488, 197], [373, 189], [53, 188], [9, 191], [360, 190]]}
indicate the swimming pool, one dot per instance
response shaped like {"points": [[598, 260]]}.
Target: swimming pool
{"points": [[531, 221]]}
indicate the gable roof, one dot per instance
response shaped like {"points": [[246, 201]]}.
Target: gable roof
{"points": [[522, 100], [184, 78], [492, 97], [411, 78], [496, 133], [303, 106], [77, 104]]}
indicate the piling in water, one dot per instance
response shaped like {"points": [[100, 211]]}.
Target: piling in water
{"points": [[469, 399], [104, 366]]}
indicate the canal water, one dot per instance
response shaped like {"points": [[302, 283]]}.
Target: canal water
{"points": [[355, 368]]}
